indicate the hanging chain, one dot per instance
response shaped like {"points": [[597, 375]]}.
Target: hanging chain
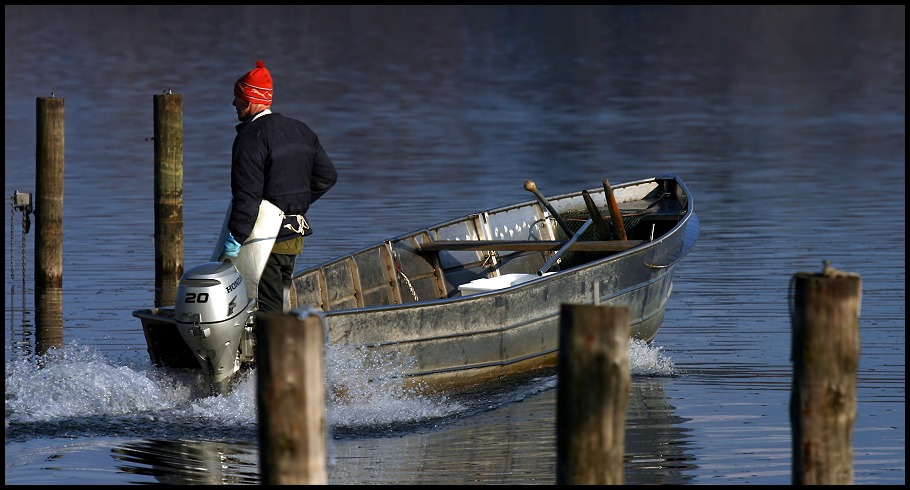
{"points": [[408, 281], [397, 262], [20, 201]]}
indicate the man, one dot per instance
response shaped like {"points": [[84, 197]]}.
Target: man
{"points": [[279, 159]]}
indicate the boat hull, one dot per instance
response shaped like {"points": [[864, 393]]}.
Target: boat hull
{"points": [[499, 334]]}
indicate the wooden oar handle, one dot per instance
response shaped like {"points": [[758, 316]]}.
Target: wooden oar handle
{"points": [[532, 187], [599, 224], [615, 215]]}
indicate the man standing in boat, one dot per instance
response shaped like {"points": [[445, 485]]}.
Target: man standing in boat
{"points": [[278, 159]]}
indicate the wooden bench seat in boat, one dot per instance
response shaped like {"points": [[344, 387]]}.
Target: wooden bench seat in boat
{"points": [[525, 245]]}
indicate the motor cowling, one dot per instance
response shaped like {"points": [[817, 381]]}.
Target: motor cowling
{"points": [[213, 315]]}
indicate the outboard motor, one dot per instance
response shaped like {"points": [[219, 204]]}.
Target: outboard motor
{"points": [[215, 318]]}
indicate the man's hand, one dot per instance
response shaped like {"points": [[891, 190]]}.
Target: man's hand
{"points": [[231, 246]]}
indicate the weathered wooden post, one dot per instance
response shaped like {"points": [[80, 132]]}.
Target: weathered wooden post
{"points": [[592, 394], [826, 347], [290, 354], [168, 114], [49, 225]]}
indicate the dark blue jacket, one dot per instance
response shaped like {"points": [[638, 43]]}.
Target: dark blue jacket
{"points": [[277, 158]]}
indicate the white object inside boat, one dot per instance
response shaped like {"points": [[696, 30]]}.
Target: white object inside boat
{"points": [[493, 283]]}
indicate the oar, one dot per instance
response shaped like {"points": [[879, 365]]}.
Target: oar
{"points": [[615, 215], [532, 187], [599, 223], [564, 248]]}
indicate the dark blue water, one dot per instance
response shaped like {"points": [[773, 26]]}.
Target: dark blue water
{"points": [[787, 124]]}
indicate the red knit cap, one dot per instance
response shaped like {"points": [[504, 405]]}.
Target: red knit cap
{"points": [[255, 86]]}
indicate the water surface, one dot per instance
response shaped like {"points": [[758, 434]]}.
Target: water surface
{"points": [[787, 124]]}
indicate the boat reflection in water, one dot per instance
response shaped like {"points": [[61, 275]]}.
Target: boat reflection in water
{"points": [[504, 437], [183, 462]]}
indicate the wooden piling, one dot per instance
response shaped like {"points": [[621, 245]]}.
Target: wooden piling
{"points": [[825, 355], [49, 224], [168, 115], [290, 355], [592, 394]]}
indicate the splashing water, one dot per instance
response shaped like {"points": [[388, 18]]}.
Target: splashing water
{"points": [[646, 360], [76, 386], [79, 389], [363, 390], [367, 389], [78, 382]]}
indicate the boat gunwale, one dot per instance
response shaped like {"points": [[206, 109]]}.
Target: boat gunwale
{"points": [[686, 214]]}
